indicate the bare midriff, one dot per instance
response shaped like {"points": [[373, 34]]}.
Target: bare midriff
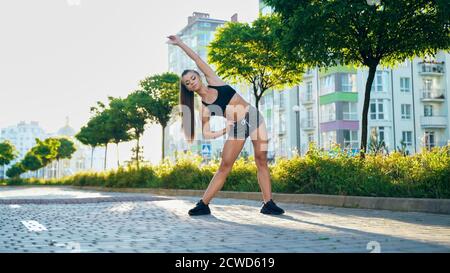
{"points": [[236, 108]]}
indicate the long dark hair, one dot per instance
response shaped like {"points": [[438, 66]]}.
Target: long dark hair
{"points": [[187, 99]]}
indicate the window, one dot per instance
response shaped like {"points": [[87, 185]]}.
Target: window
{"points": [[377, 110], [405, 85], [348, 82], [428, 110], [427, 84], [377, 134], [328, 112], [407, 137], [427, 89], [310, 137], [329, 138], [327, 84], [373, 111], [308, 91], [377, 85], [281, 97], [309, 117], [350, 139], [349, 111], [429, 140], [406, 111], [381, 133]]}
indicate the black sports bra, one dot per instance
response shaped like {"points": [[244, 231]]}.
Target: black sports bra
{"points": [[224, 95]]}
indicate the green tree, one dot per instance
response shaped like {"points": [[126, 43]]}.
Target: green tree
{"points": [[31, 162], [118, 125], [163, 94], [42, 154], [357, 32], [7, 153], [137, 117], [15, 170], [100, 125], [65, 150], [252, 54], [88, 136], [46, 150]]}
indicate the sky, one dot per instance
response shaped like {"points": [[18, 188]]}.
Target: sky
{"points": [[59, 57]]}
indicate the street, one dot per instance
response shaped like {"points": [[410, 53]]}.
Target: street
{"points": [[61, 219]]}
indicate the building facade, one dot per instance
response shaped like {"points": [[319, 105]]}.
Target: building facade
{"points": [[23, 137], [408, 105]]}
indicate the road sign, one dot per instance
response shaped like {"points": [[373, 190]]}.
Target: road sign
{"points": [[206, 149]]}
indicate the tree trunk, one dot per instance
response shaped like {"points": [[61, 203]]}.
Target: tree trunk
{"points": [[365, 112], [137, 154], [117, 153], [163, 133], [257, 99], [92, 156], [106, 154]]}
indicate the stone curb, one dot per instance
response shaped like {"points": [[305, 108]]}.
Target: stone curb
{"points": [[440, 206]]}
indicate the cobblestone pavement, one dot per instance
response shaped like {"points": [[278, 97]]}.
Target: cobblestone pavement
{"points": [[145, 223]]}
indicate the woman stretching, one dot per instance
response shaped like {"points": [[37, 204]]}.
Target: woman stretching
{"points": [[243, 120]]}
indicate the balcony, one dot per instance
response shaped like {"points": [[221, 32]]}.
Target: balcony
{"points": [[431, 69], [307, 124], [433, 121], [432, 95]]}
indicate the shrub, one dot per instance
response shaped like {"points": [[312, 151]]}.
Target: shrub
{"points": [[131, 177], [423, 175]]}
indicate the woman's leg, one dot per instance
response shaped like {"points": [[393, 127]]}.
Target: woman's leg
{"points": [[260, 142], [230, 152]]}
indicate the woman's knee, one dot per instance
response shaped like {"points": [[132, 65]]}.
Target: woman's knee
{"points": [[261, 160], [225, 166]]}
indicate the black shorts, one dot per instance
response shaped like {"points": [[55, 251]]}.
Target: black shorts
{"points": [[243, 128]]}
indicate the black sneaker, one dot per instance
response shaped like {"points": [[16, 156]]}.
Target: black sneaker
{"points": [[200, 209], [271, 208]]}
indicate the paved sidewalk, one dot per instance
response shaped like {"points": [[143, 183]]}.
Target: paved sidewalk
{"points": [[143, 223]]}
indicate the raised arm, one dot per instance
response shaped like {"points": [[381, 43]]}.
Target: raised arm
{"points": [[210, 75]]}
